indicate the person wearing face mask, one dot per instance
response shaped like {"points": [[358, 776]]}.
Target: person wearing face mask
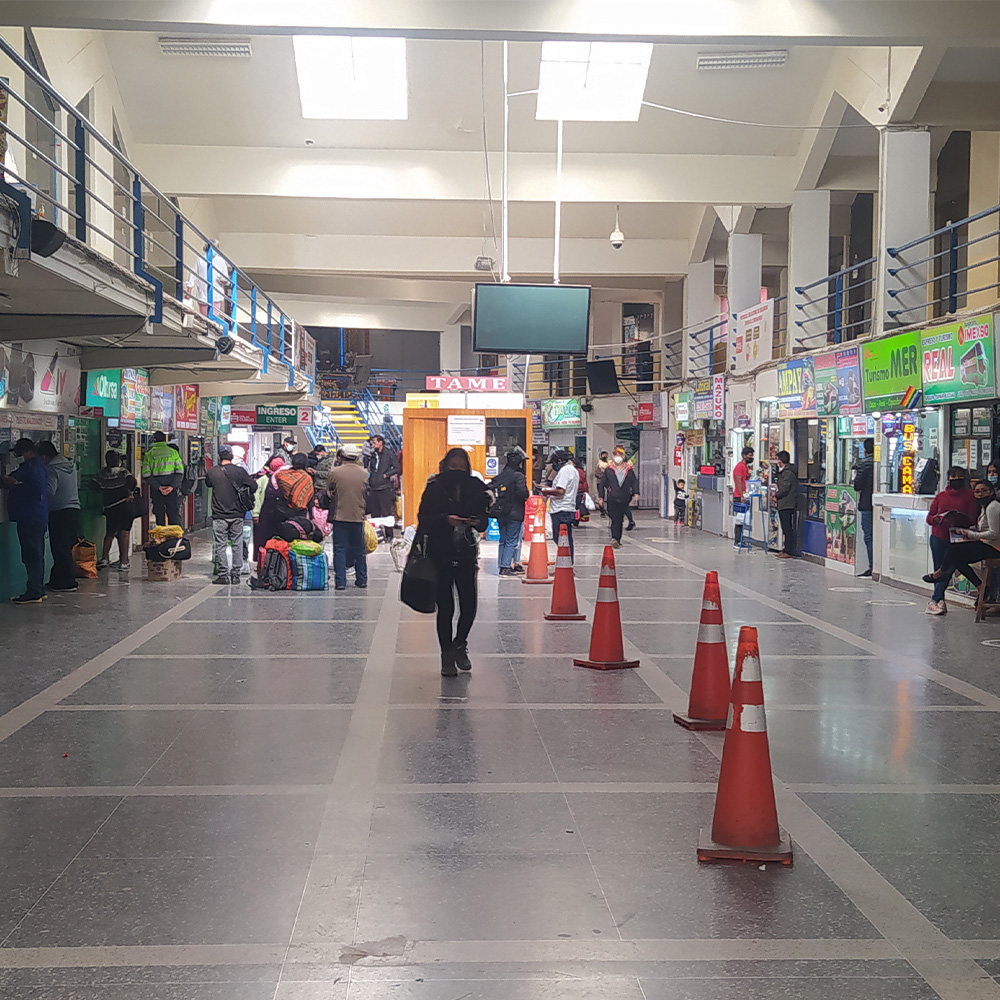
{"points": [[991, 476], [453, 507], [981, 543], [562, 505], [864, 486], [954, 507], [787, 497], [618, 486]]}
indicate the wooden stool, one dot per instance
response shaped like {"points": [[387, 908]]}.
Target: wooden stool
{"points": [[982, 605]]}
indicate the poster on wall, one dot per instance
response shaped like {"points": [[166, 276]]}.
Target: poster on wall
{"points": [[561, 413], [838, 383], [637, 325], [684, 408], [103, 396], [841, 524], [41, 376], [958, 361], [703, 399], [741, 416], [796, 389], [753, 336], [305, 357], [161, 410], [891, 374], [134, 400], [466, 429], [186, 408]]}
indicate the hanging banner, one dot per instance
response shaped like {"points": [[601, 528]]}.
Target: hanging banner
{"points": [[561, 413], [796, 389], [838, 383], [753, 336], [186, 408], [161, 410], [134, 400], [104, 388], [841, 524], [958, 362], [42, 376], [890, 371]]}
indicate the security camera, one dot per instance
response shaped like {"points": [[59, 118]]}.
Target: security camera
{"points": [[617, 237]]}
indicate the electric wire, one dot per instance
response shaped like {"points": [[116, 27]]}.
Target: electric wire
{"points": [[738, 121], [486, 158]]}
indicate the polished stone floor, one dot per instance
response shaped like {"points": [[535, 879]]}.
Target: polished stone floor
{"points": [[208, 795]]}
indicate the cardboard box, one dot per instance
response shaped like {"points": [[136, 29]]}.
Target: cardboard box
{"points": [[164, 572]]}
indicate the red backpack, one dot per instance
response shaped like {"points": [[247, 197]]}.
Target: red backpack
{"points": [[274, 568]]}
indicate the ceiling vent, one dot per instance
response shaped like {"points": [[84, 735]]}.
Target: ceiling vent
{"points": [[743, 60], [205, 45]]}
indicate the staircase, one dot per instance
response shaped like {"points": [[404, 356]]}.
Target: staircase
{"points": [[347, 423]]}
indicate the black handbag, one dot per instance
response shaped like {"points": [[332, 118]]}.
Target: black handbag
{"points": [[418, 588]]}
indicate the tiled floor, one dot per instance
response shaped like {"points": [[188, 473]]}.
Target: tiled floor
{"points": [[217, 796]]}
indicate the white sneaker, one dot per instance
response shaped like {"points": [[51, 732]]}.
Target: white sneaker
{"points": [[935, 608]]}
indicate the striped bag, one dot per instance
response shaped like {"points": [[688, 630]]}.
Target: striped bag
{"points": [[309, 572]]}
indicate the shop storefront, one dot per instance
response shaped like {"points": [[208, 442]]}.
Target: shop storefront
{"points": [[703, 454], [562, 421]]}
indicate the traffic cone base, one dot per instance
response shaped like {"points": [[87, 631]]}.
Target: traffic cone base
{"points": [[599, 665], [538, 554], [709, 850], [546, 580], [700, 725], [549, 617]]}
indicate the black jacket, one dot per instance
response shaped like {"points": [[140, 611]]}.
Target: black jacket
{"points": [[223, 480], [510, 488], [864, 482], [446, 543], [611, 490], [786, 493], [382, 466]]}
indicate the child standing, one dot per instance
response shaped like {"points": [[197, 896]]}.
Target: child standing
{"points": [[681, 498]]}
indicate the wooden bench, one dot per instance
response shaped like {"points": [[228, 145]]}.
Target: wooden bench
{"points": [[990, 566]]}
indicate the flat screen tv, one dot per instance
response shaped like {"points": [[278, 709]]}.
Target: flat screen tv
{"points": [[531, 319], [602, 378]]}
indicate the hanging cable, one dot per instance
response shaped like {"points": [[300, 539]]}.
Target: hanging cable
{"points": [[737, 121], [486, 154]]}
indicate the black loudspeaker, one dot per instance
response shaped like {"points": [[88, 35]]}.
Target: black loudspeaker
{"points": [[602, 377], [362, 375], [46, 238], [644, 366], [225, 345]]}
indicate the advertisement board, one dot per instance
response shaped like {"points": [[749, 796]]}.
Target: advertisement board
{"points": [[838, 383], [891, 373], [471, 383], [796, 388], [958, 361], [278, 415], [466, 429], [161, 410], [644, 413], [42, 376], [841, 524], [243, 416], [186, 408], [703, 399], [104, 388], [562, 413], [753, 335], [134, 400]]}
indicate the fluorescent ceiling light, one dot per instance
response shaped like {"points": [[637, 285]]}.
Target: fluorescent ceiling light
{"points": [[743, 60], [592, 81], [363, 79], [198, 45]]}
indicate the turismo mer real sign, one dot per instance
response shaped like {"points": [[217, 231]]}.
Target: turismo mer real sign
{"points": [[891, 372], [959, 361]]}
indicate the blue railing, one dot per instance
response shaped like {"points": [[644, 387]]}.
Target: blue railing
{"points": [[166, 249], [950, 265], [704, 340], [849, 295], [370, 410]]}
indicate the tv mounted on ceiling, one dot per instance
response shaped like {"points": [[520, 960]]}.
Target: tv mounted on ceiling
{"points": [[531, 319]]}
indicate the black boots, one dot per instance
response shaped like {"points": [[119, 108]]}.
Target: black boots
{"points": [[453, 660]]}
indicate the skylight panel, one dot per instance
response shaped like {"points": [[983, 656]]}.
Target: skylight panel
{"points": [[592, 81], [358, 79]]}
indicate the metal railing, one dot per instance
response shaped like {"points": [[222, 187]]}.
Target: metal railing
{"points": [[849, 297], [105, 193], [952, 272], [372, 414], [708, 349]]}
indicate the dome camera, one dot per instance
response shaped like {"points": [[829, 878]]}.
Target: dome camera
{"points": [[617, 237]]}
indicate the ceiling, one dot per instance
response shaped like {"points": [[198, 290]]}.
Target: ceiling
{"points": [[385, 219]]}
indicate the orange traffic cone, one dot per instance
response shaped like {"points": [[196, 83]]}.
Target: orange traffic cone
{"points": [[564, 606], [607, 651], [710, 689], [745, 827], [538, 557]]}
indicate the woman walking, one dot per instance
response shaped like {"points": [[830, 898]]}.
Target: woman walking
{"points": [[452, 509], [618, 486]]}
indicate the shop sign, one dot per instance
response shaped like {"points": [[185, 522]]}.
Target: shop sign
{"points": [[855, 427], [684, 407], [473, 383], [279, 415], [741, 415], [225, 414], [645, 413], [906, 466], [753, 334], [796, 388], [695, 439], [841, 524], [891, 373], [186, 408], [243, 416], [958, 361], [718, 397], [838, 383], [104, 389], [535, 405], [42, 376], [961, 423], [161, 410], [562, 413], [709, 398], [466, 429], [25, 421], [134, 399]]}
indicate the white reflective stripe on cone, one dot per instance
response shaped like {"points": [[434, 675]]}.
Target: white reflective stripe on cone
{"points": [[751, 669], [707, 632], [752, 719], [710, 606], [564, 562], [607, 595], [537, 539]]}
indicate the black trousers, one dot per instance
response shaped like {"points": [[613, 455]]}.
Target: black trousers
{"points": [[616, 511], [32, 539], [788, 519], [64, 530], [961, 555], [166, 509], [459, 576]]}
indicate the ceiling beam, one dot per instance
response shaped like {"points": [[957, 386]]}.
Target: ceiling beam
{"points": [[138, 357], [740, 22], [701, 235]]}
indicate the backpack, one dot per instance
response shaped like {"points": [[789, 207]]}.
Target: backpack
{"points": [[274, 570], [296, 488]]}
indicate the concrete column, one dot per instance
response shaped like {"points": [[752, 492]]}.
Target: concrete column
{"points": [[904, 214], [451, 349], [745, 258], [808, 261], [984, 193], [699, 306]]}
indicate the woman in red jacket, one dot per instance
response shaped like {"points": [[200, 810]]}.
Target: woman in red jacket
{"points": [[954, 507]]}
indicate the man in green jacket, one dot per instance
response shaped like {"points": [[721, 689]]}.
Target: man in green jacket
{"points": [[163, 470]]}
